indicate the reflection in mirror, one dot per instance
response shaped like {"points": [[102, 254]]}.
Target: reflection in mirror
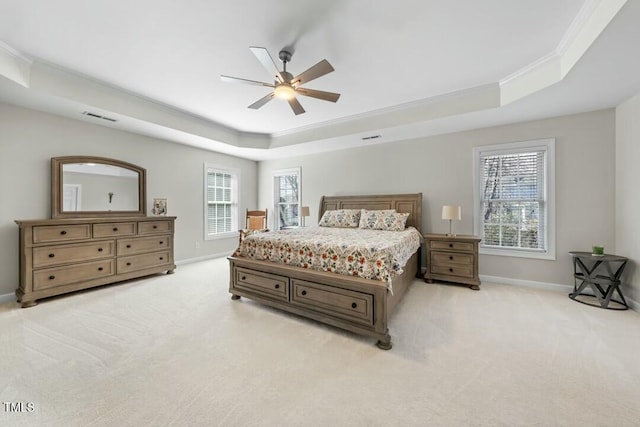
{"points": [[98, 187], [88, 186]]}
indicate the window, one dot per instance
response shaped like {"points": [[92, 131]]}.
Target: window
{"points": [[221, 202], [514, 202], [286, 196]]}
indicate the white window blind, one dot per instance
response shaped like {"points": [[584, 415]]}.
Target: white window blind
{"points": [[513, 205], [221, 201]]}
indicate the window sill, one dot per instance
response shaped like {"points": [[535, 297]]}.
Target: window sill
{"points": [[547, 255], [218, 236]]}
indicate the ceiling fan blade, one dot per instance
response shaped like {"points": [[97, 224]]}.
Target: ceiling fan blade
{"points": [[320, 69], [295, 106], [325, 96], [267, 62], [260, 102], [239, 80]]}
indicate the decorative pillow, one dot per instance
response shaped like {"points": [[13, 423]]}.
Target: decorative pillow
{"points": [[348, 218], [389, 220]]}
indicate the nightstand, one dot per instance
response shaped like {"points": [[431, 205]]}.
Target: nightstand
{"points": [[452, 259]]}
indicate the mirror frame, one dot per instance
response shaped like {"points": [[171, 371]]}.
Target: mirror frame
{"points": [[57, 164]]}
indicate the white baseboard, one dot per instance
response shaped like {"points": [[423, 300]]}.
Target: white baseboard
{"points": [[634, 305], [527, 283], [203, 258], [7, 298]]}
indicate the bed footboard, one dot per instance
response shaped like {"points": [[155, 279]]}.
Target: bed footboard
{"points": [[358, 305]]}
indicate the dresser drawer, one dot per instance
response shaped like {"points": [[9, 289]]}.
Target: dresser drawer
{"points": [[452, 270], [144, 244], [446, 258], [61, 233], [61, 254], [114, 229], [453, 246], [337, 302], [153, 227], [263, 283], [140, 262], [60, 276]]}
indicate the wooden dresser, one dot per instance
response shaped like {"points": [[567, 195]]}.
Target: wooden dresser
{"points": [[452, 259], [65, 255]]}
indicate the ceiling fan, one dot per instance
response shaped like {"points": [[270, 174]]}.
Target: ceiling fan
{"points": [[285, 86]]}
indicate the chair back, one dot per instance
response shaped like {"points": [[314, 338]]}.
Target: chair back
{"points": [[256, 220]]}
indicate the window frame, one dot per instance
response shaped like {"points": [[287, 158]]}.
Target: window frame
{"points": [[276, 203], [235, 211], [548, 147]]}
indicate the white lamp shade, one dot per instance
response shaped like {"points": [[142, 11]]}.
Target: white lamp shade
{"points": [[451, 212]]}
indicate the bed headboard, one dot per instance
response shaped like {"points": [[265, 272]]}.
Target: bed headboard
{"points": [[411, 203]]}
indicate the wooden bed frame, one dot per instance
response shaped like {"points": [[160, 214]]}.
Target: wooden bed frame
{"points": [[363, 306]]}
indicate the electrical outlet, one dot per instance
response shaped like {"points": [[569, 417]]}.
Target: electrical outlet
{"points": [[197, 244]]}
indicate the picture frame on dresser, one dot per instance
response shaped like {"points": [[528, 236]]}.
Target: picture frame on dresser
{"points": [[90, 244]]}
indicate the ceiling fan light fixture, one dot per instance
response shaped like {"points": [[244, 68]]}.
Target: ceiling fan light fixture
{"points": [[284, 91]]}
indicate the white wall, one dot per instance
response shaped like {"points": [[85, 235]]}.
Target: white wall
{"points": [[627, 192], [440, 168], [28, 139]]}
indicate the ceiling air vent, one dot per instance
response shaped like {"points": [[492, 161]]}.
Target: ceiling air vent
{"points": [[98, 116], [366, 138]]}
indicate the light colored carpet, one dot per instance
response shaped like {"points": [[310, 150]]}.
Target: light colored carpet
{"points": [[175, 351]]}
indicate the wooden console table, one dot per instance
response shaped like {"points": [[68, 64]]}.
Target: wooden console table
{"points": [[601, 273]]}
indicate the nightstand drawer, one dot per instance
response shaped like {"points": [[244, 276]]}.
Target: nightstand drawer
{"points": [[453, 246], [452, 270], [444, 258]]}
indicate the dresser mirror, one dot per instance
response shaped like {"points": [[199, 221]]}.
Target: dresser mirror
{"points": [[85, 186]]}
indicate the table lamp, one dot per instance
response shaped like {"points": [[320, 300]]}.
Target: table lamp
{"points": [[304, 213], [451, 212]]}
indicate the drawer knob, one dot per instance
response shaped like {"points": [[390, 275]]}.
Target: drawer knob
{"points": [[277, 286], [161, 258], [128, 246], [450, 245], [451, 258], [128, 263], [63, 232], [52, 277], [99, 249], [115, 228], [354, 305], [243, 278], [161, 242], [155, 226], [304, 293], [451, 270], [100, 269], [52, 255]]}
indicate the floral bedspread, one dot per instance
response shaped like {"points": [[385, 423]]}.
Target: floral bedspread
{"points": [[370, 254]]}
